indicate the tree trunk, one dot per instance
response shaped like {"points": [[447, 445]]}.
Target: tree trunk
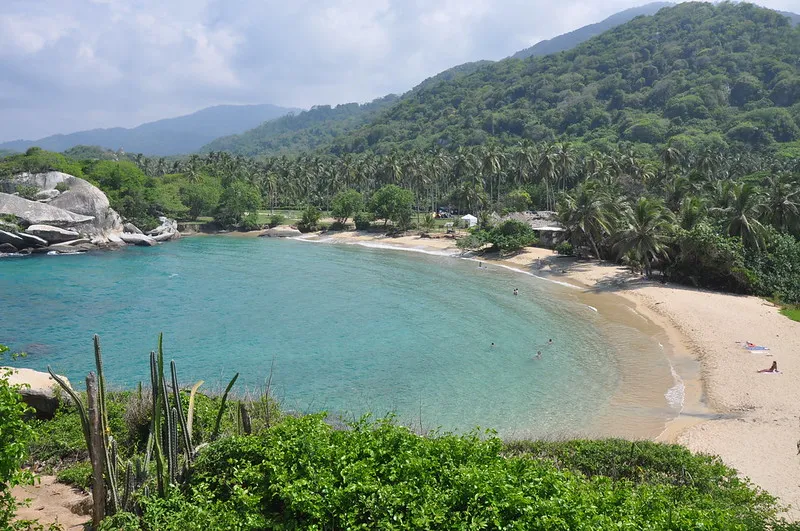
{"points": [[96, 452]]}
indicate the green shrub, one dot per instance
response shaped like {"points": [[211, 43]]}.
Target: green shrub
{"points": [[337, 226], [62, 187], [79, 475], [27, 191], [345, 204], [470, 242], [15, 435], [310, 219], [303, 474], [250, 222], [276, 219], [510, 235], [363, 220], [565, 248], [776, 268]]}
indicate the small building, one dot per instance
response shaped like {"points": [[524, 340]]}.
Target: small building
{"points": [[470, 219]]}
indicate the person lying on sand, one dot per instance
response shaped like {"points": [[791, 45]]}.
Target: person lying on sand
{"points": [[773, 368]]}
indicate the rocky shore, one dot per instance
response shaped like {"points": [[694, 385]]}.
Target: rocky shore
{"points": [[66, 215]]}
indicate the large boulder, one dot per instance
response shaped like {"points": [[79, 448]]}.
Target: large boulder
{"points": [[137, 239], [35, 213], [47, 195], [131, 228], [52, 234], [80, 197], [283, 231], [7, 248], [31, 240], [12, 238], [38, 391]]}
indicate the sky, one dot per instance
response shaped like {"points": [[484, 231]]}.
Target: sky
{"points": [[70, 65]]}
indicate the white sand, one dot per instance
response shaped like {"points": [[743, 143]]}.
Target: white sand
{"points": [[759, 432]]}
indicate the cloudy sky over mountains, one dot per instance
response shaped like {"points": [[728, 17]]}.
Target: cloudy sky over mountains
{"points": [[68, 65]]}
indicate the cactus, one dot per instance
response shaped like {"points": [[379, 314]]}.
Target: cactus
{"points": [[163, 443]]}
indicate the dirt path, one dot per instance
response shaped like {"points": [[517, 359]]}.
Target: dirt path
{"points": [[52, 502]]}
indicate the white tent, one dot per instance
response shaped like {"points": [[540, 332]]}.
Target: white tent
{"points": [[470, 219]]}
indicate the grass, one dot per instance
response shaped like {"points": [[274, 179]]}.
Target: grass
{"points": [[792, 312]]}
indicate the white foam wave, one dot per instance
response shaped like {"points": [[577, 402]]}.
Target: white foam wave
{"points": [[676, 394]]}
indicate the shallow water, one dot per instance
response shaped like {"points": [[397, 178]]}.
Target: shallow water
{"points": [[350, 329]]}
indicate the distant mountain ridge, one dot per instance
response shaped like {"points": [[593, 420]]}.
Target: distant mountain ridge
{"points": [[305, 131], [171, 136], [580, 35]]}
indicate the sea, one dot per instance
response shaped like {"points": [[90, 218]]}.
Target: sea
{"points": [[437, 342]]}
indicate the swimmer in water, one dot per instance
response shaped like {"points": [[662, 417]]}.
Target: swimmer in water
{"points": [[516, 291], [538, 355], [492, 345]]}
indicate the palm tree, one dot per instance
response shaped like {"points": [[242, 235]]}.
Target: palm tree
{"points": [[692, 211], [742, 213], [647, 234], [586, 213], [783, 202]]}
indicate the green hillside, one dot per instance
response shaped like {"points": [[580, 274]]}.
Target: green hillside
{"points": [[306, 131], [699, 75]]}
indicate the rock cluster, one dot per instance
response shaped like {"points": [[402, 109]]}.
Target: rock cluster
{"points": [[38, 389], [68, 215], [281, 231]]}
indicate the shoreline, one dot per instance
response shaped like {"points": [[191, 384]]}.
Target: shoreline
{"points": [[748, 419]]}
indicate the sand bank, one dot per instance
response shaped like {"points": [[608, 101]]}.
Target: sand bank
{"points": [[751, 420]]}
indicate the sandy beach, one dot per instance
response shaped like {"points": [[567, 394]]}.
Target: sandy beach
{"points": [[751, 420]]}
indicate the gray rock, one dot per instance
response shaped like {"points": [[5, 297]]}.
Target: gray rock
{"points": [[131, 228], [71, 243], [12, 238], [166, 236], [137, 239], [81, 198], [38, 391], [282, 231], [52, 234], [35, 213], [31, 240], [7, 248], [47, 195]]}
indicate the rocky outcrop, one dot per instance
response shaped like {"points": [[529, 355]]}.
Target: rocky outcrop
{"points": [[7, 248], [282, 231], [52, 234], [35, 213], [38, 389], [11, 239], [76, 214], [168, 230], [138, 239], [131, 228]]}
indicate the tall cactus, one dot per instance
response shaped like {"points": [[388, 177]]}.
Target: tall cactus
{"points": [[163, 444]]}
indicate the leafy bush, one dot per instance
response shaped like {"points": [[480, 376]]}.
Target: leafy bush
{"points": [[15, 435], [309, 220], [470, 242], [250, 222], [79, 475], [276, 219], [510, 235], [363, 220], [565, 248], [303, 474], [27, 191], [337, 226], [62, 187], [708, 259], [776, 268]]}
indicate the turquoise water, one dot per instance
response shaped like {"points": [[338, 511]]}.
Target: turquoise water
{"points": [[349, 329]]}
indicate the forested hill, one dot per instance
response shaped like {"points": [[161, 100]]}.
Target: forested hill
{"points": [[574, 38], [697, 74], [305, 131], [171, 136]]}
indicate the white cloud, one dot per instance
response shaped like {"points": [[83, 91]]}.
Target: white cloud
{"points": [[67, 65]]}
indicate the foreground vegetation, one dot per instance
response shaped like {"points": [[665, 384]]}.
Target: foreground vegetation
{"points": [[249, 467]]}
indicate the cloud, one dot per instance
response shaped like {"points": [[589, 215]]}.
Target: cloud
{"points": [[67, 65]]}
